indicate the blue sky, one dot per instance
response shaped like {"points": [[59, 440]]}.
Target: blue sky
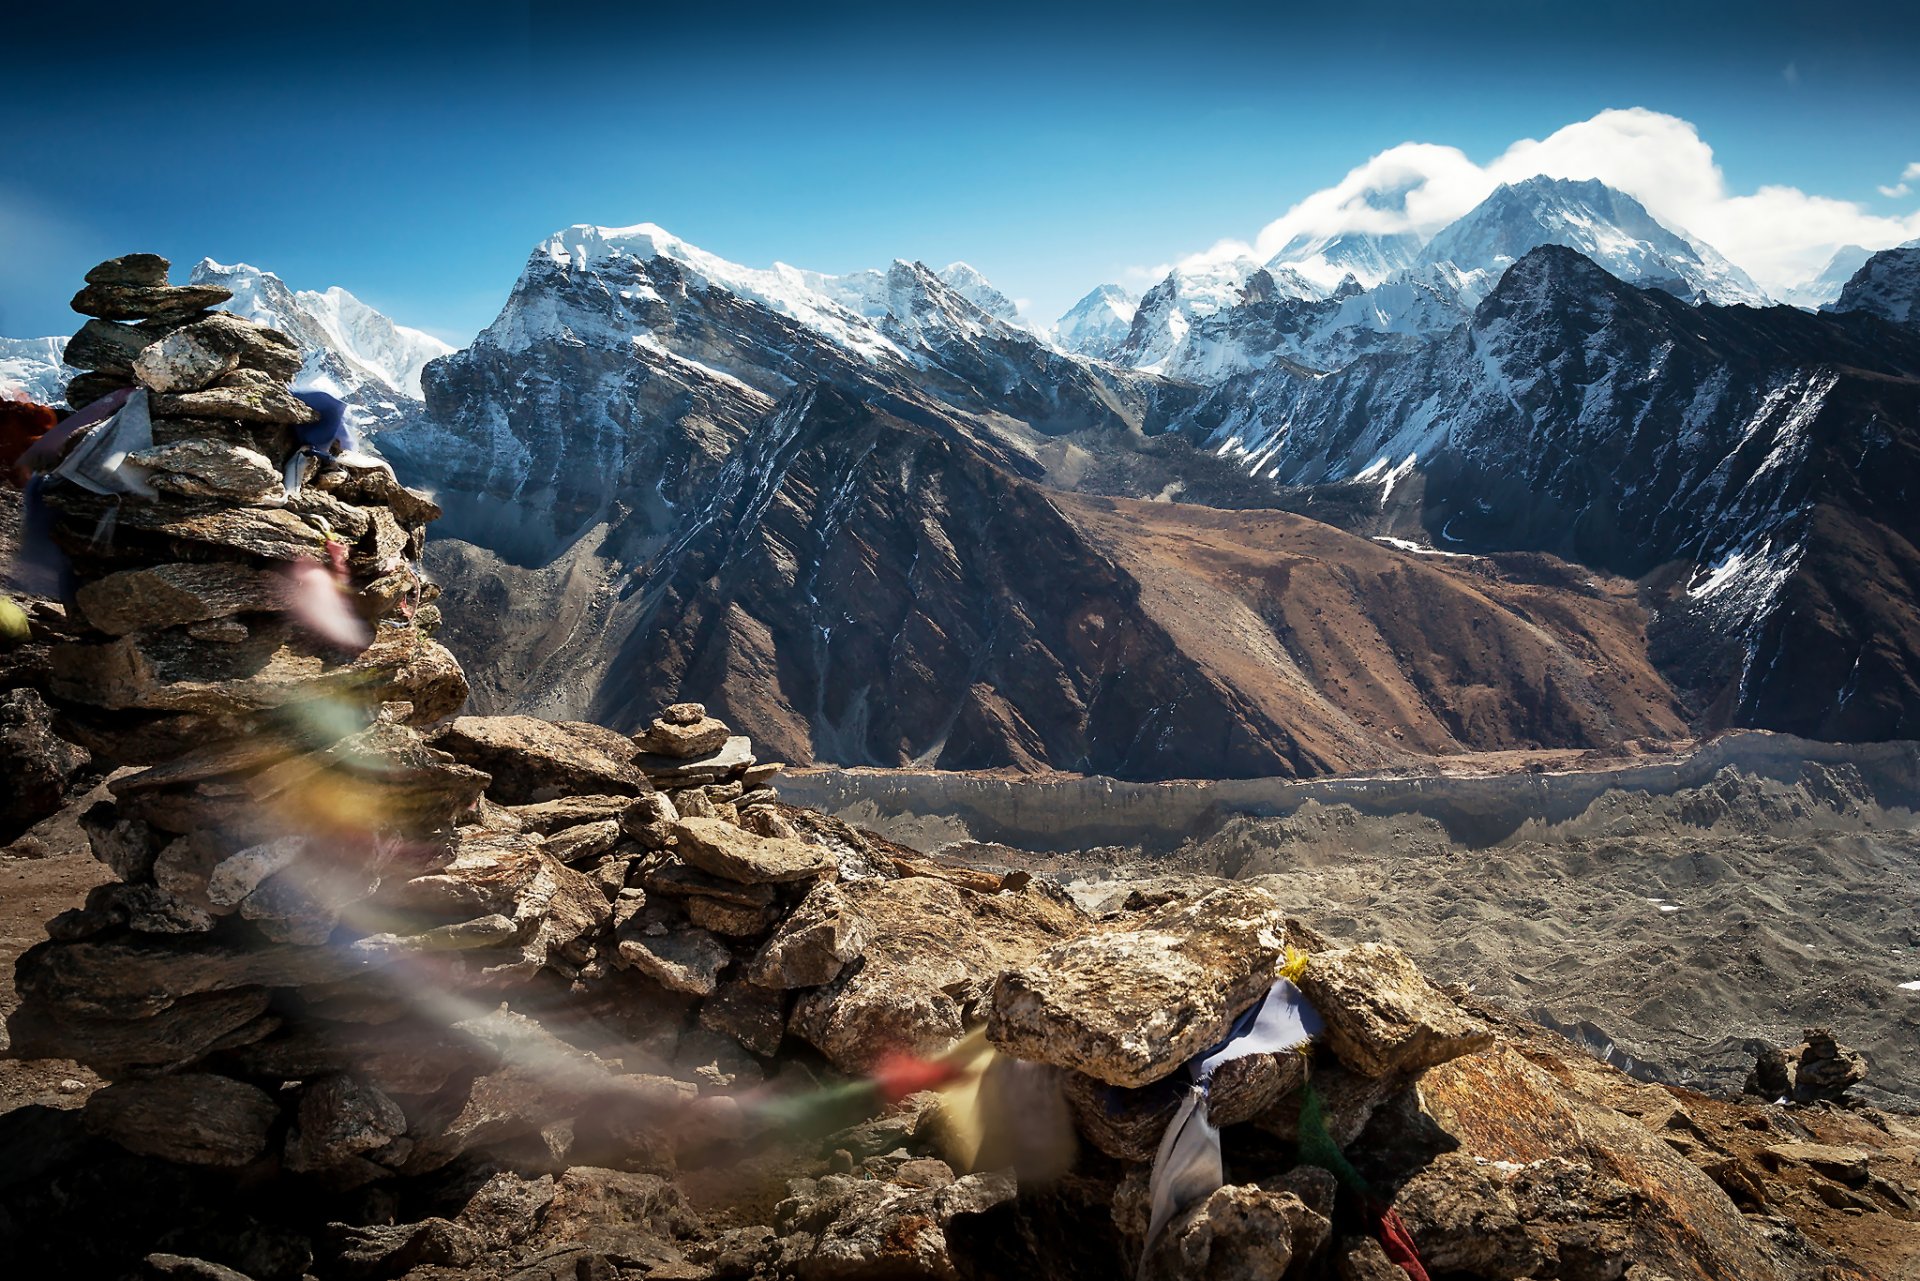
{"points": [[414, 153]]}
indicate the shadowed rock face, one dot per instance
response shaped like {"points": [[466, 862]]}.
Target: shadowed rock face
{"points": [[868, 582]]}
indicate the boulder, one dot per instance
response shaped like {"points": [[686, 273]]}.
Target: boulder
{"points": [[846, 1227], [932, 953], [39, 766], [1383, 1016], [585, 841], [108, 347], [195, 1118], [211, 469], [688, 960], [194, 356], [159, 596], [675, 740], [724, 850], [1130, 1002], [148, 271], [1239, 1233], [671, 877], [1818, 1069], [533, 760], [238, 398], [147, 301], [813, 944], [341, 1117]]}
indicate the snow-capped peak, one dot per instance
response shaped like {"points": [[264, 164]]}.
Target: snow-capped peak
{"points": [[978, 290], [1098, 324], [1591, 218], [352, 350], [1326, 260]]}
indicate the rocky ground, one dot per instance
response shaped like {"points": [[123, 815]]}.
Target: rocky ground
{"points": [[1677, 932]]}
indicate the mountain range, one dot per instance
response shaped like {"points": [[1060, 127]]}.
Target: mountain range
{"points": [[1556, 477]]}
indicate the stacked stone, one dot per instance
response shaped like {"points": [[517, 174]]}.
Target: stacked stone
{"points": [[249, 623], [1122, 1009]]}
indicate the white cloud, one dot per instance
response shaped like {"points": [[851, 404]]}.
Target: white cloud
{"points": [[1779, 234], [1911, 172], [1896, 191]]}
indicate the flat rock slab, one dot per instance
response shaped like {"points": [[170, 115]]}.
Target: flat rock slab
{"points": [[194, 1117], [687, 960], [532, 760], [140, 302], [173, 595], [1130, 1003], [1383, 1016], [546, 817], [735, 753], [718, 847], [671, 741]]}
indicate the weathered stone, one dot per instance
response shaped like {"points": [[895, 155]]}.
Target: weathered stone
{"points": [[1130, 1002], [1841, 1164], [193, 357], [38, 766], [126, 845], [670, 876], [674, 742], [174, 1037], [141, 270], [239, 874], [578, 844], [506, 1209], [691, 802], [179, 1267], [533, 760], [142, 302], [815, 942], [615, 1208], [754, 1016], [709, 765], [1239, 1233], [405, 1056], [461, 936], [220, 631], [247, 402], [687, 961], [278, 664], [209, 469], [196, 1118], [713, 845], [761, 774], [649, 820], [932, 953], [369, 482], [171, 595], [1383, 1016], [108, 347], [268, 533], [83, 389], [684, 713], [1817, 1069], [389, 1250], [339, 1117], [556, 910], [731, 919], [846, 1227], [147, 909]]}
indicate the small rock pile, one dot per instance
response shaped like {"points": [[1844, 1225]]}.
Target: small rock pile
{"points": [[1818, 1070]]}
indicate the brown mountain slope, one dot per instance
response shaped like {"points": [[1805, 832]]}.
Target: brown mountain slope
{"points": [[863, 587], [1365, 650]]}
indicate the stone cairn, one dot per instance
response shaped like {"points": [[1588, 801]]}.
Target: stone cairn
{"points": [[356, 937]]}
